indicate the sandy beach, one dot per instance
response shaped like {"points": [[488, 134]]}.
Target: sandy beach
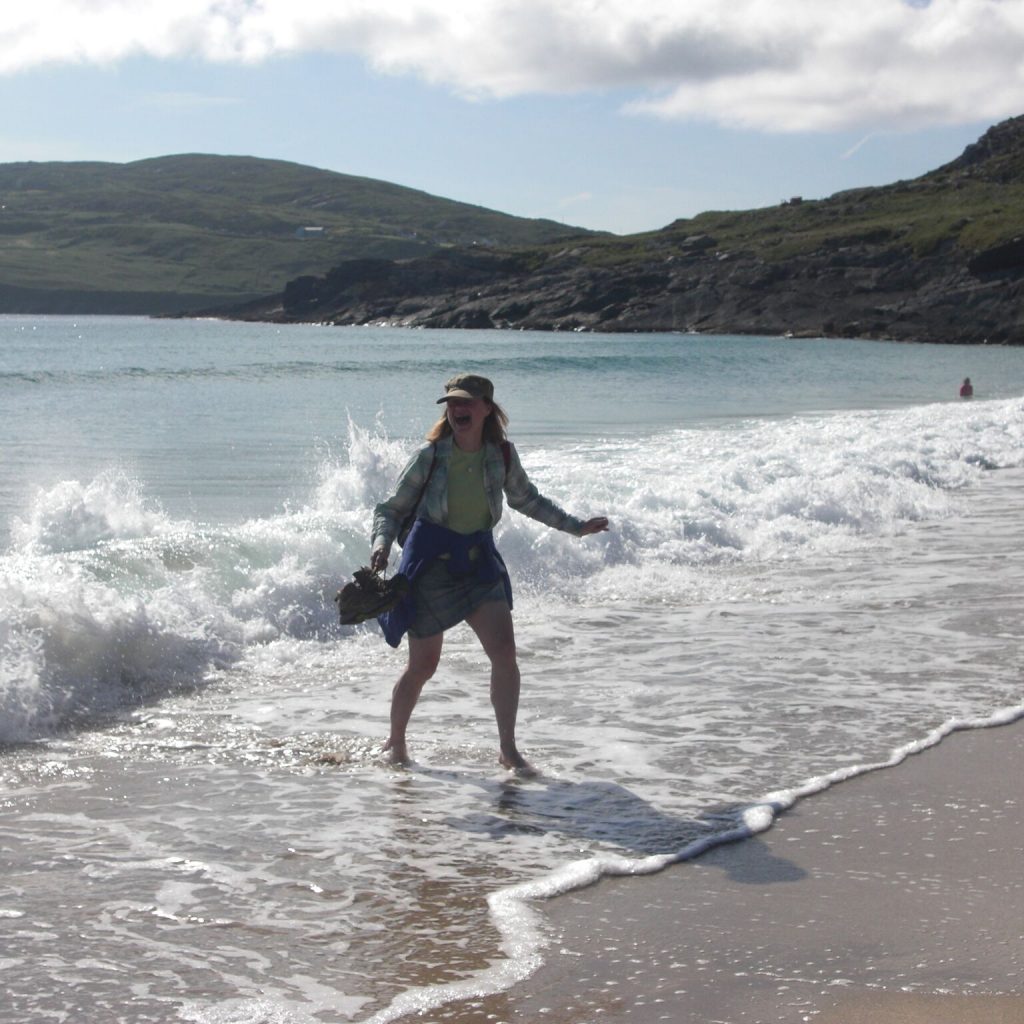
{"points": [[896, 898]]}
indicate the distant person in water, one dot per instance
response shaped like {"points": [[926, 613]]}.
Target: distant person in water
{"points": [[967, 388], [452, 488]]}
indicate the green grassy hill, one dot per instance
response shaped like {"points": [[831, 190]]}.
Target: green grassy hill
{"points": [[973, 203], [185, 232], [194, 233]]}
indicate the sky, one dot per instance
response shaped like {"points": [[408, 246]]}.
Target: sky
{"points": [[616, 115]]}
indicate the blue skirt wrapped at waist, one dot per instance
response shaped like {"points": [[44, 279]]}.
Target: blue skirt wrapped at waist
{"points": [[451, 575]]}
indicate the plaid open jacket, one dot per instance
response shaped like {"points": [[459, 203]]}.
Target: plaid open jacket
{"points": [[514, 485]]}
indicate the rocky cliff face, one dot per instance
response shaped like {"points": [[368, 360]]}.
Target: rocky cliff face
{"points": [[865, 272]]}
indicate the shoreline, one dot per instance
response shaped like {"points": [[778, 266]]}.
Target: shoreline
{"points": [[894, 897], [405, 324]]}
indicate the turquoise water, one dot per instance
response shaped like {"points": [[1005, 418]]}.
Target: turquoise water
{"points": [[221, 419], [814, 565]]}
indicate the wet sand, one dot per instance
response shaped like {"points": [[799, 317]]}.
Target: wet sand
{"points": [[894, 898]]}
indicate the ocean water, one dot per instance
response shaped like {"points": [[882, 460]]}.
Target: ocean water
{"points": [[814, 568]]}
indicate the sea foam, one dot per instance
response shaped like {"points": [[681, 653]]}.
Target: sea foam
{"points": [[107, 601]]}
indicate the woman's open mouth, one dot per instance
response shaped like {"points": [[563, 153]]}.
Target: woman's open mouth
{"points": [[462, 419]]}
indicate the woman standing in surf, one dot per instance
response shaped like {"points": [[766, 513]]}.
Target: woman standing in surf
{"points": [[453, 488]]}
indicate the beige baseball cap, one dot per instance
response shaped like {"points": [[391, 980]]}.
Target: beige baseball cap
{"points": [[468, 385]]}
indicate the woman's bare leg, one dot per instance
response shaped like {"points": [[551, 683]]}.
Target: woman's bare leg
{"points": [[424, 654], [492, 623]]}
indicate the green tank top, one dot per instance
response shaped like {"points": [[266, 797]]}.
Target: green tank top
{"points": [[468, 510]]}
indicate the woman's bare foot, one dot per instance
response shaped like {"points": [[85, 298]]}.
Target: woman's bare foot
{"points": [[515, 762], [397, 754]]}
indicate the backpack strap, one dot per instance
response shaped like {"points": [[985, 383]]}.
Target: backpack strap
{"points": [[406, 526]]}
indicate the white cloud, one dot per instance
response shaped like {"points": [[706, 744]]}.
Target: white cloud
{"points": [[772, 65], [183, 101], [870, 63]]}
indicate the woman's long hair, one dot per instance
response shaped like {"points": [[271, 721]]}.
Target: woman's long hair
{"points": [[494, 426]]}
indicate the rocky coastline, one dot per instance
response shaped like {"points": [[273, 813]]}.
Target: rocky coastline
{"points": [[935, 259], [855, 291]]}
